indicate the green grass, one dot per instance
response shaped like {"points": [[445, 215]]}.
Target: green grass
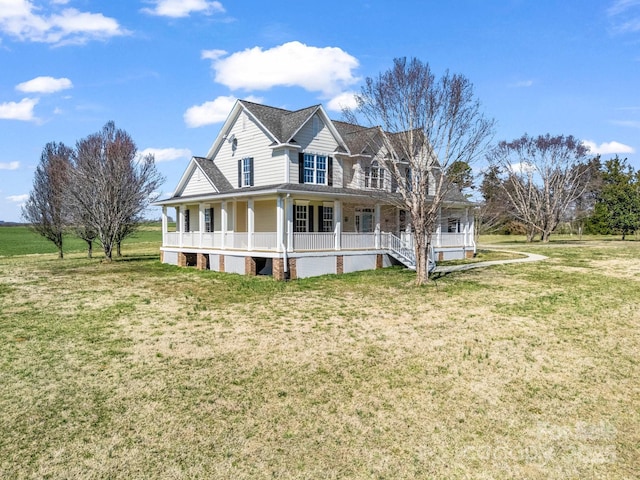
{"points": [[21, 240], [134, 369]]}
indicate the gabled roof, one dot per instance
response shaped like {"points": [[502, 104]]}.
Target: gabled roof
{"points": [[359, 139], [213, 173], [281, 123]]}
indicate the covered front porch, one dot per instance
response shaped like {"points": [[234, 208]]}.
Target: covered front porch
{"points": [[289, 224]]}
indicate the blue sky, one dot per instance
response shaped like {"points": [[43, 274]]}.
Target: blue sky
{"points": [[168, 71]]}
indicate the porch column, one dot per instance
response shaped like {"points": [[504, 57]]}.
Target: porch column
{"points": [[377, 229], [223, 224], [279, 224], [465, 231], [180, 225], [289, 222], [250, 223], [337, 214], [439, 227], [164, 225], [200, 222]]}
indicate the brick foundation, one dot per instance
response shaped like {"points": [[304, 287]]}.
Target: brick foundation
{"points": [[293, 272], [249, 266], [161, 256], [221, 265], [469, 254], [339, 264], [182, 259], [440, 256], [278, 269], [379, 261], [202, 262]]}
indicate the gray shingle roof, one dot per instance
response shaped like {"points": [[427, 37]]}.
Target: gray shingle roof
{"points": [[214, 174], [281, 123]]}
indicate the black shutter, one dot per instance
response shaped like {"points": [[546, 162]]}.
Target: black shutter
{"points": [[394, 183], [186, 221], [211, 222], [320, 219], [330, 171], [239, 173], [251, 171], [300, 167], [310, 210]]}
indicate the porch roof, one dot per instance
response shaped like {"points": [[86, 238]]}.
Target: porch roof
{"points": [[453, 198]]}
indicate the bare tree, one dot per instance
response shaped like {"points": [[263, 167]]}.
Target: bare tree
{"points": [[544, 175], [426, 126], [45, 209], [110, 186]]}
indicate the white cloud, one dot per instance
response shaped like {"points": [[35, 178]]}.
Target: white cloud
{"points": [[327, 70], [607, 147], [18, 198], [22, 110], [523, 168], [44, 85], [342, 101], [214, 111], [184, 8], [625, 16], [209, 112], [627, 123], [9, 166], [522, 84], [25, 22], [166, 154], [212, 54], [620, 6]]}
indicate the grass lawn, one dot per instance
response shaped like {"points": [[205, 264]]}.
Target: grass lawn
{"points": [[134, 369]]}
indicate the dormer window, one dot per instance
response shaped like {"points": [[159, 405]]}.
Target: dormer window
{"points": [[374, 176]]}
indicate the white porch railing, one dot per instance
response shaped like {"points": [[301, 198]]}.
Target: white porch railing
{"points": [[450, 239], [265, 241], [306, 241], [358, 241], [314, 241]]}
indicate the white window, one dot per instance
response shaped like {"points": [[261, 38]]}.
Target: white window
{"points": [[374, 176], [327, 218], [315, 169], [208, 220], [301, 218], [246, 171]]}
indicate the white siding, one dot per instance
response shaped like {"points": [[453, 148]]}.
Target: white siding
{"points": [[356, 263], [197, 184], [252, 142], [315, 266], [234, 264], [214, 262], [315, 136], [170, 258]]}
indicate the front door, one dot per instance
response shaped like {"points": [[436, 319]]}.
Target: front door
{"points": [[364, 220]]}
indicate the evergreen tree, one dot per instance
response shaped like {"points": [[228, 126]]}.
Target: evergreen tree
{"points": [[617, 208]]}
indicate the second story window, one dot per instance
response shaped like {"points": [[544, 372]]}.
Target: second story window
{"points": [[315, 169], [374, 176], [245, 172]]}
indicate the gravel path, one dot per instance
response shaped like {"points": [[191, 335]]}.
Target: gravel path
{"points": [[529, 257]]}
